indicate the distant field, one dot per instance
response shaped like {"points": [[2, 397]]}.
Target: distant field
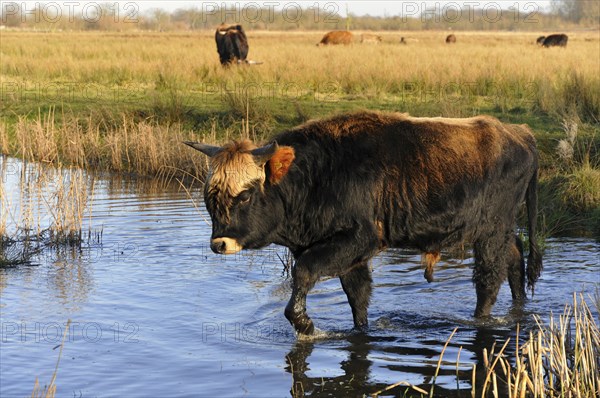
{"points": [[124, 101], [498, 73]]}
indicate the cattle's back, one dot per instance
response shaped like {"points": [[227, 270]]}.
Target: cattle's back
{"points": [[400, 139], [395, 152], [426, 181]]}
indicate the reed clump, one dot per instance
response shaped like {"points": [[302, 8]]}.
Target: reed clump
{"points": [[47, 212], [560, 359]]}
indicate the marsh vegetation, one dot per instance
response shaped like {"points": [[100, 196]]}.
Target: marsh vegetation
{"points": [[125, 101]]}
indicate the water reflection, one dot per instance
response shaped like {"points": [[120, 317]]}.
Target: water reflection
{"points": [[367, 356], [152, 268]]}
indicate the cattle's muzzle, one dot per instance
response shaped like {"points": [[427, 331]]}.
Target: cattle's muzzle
{"points": [[225, 246]]}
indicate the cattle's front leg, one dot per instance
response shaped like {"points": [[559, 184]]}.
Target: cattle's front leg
{"points": [[330, 257], [295, 311]]}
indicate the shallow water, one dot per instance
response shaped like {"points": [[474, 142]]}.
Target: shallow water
{"points": [[155, 313]]}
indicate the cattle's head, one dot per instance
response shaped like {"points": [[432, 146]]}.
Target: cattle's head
{"points": [[235, 193]]}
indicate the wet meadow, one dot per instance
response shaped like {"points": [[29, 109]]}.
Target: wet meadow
{"points": [[103, 224]]}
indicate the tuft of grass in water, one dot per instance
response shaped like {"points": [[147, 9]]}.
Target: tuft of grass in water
{"points": [[49, 391], [559, 359], [47, 214]]}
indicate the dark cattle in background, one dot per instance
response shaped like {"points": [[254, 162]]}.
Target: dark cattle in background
{"points": [[337, 37], [232, 44], [451, 38], [557, 40], [540, 40], [337, 191]]}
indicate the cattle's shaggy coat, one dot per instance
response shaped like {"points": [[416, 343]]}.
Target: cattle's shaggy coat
{"points": [[338, 190], [232, 44]]}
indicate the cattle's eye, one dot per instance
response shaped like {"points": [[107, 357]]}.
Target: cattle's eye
{"points": [[244, 197]]}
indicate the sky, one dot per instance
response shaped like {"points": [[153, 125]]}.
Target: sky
{"points": [[374, 8]]}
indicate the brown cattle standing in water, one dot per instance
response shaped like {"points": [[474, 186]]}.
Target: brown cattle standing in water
{"points": [[337, 37], [337, 191], [370, 38], [451, 38], [557, 40], [232, 44]]}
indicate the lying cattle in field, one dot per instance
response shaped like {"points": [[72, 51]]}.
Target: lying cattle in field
{"points": [[540, 40], [337, 37], [336, 191], [370, 38], [232, 44], [557, 40], [451, 38]]}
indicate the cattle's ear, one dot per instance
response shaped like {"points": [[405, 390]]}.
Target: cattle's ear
{"points": [[280, 163]]}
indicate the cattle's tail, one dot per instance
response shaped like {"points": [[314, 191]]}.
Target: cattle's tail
{"points": [[534, 260]]}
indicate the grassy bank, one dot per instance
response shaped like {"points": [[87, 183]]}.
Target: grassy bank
{"points": [[125, 101]]}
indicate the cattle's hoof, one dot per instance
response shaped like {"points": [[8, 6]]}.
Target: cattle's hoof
{"points": [[429, 275], [361, 329], [304, 326], [301, 322]]}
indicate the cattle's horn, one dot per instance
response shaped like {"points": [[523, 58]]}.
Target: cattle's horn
{"points": [[208, 150], [263, 154]]}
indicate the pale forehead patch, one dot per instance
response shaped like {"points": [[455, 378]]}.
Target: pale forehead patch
{"points": [[233, 169], [234, 174]]}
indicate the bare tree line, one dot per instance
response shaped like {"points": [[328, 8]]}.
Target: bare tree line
{"points": [[563, 14]]}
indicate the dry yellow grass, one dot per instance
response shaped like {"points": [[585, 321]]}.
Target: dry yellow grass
{"points": [[292, 63]]}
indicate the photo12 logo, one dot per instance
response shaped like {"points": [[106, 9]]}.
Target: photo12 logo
{"points": [[53, 332], [70, 11], [454, 12], [268, 11]]}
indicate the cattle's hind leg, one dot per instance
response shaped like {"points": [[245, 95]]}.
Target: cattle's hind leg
{"points": [[516, 270], [356, 283], [491, 262]]}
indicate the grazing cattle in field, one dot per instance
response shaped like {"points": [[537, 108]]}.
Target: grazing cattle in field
{"points": [[451, 38], [557, 40], [540, 40], [370, 38], [337, 37], [232, 44], [337, 191]]}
